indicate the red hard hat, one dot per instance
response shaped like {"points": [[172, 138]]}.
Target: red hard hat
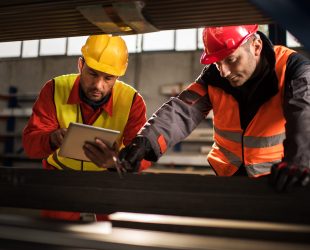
{"points": [[219, 42]]}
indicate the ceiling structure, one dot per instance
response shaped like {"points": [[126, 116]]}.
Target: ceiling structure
{"points": [[38, 19]]}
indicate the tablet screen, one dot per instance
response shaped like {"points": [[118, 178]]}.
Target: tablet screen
{"points": [[78, 133]]}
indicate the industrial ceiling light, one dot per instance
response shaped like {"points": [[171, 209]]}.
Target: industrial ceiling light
{"points": [[119, 18]]}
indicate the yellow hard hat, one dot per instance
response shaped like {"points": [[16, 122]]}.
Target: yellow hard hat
{"points": [[106, 53]]}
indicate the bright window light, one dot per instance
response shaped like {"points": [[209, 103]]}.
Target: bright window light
{"points": [[264, 28], [10, 49], [200, 41], [186, 39], [55, 46], [30, 48], [292, 41], [75, 44], [161, 40], [133, 43]]}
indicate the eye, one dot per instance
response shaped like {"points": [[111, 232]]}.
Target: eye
{"points": [[230, 60], [109, 78], [92, 73]]}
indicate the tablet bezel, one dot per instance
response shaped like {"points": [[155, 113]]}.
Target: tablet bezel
{"points": [[76, 136]]}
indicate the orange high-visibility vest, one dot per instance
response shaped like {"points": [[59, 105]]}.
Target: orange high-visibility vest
{"points": [[260, 145]]}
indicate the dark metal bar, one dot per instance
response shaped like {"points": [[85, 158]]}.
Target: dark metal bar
{"points": [[298, 13], [277, 34], [171, 194]]}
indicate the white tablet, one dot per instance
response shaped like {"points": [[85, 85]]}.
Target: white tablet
{"points": [[76, 136]]}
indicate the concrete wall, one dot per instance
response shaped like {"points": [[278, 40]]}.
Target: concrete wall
{"points": [[146, 72]]}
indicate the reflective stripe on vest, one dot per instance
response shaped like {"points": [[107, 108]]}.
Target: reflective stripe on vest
{"points": [[122, 99], [231, 157], [260, 169], [251, 141], [260, 145], [252, 170]]}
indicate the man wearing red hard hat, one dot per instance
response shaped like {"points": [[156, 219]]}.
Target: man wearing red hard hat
{"points": [[260, 97]]}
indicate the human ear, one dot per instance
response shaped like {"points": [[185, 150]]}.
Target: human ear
{"points": [[258, 46], [80, 64]]}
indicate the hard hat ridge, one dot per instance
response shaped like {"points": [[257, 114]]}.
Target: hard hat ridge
{"points": [[106, 53]]}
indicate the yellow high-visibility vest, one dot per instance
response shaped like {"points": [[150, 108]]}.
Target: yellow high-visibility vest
{"points": [[123, 95]]}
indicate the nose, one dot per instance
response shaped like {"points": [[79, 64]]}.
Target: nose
{"points": [[224, 70], [99, 81]]}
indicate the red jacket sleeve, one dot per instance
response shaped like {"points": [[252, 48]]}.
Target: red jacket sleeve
{"points": [[136, 119], [42, 122]]}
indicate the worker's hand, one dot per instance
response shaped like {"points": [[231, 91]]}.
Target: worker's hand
{"points": [[284, 176], [57, 138], [132, 155], [100, 153]]}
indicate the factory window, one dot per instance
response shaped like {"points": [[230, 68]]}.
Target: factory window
{"points": [[161, 40], [178, 40], [30, 48], [292, 41], [75, 44], [10, 49], [264, 28], [186, 39], [55, 46], [200, 42], [133, 43]]}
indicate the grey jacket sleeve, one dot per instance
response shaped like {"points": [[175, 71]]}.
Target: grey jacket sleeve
{"points": [[174, 120], [297, 111]]}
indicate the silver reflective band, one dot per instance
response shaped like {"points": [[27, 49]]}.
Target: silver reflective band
{"points": [[260, 168], [252, 169], [232, 158], [232, 136], [263, 142], [252, 141]]}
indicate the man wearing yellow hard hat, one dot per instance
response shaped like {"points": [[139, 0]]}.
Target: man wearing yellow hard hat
{"points": [[95, 97]]}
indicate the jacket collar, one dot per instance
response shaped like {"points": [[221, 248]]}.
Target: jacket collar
{"points": [[257, 90], [75, 98]]}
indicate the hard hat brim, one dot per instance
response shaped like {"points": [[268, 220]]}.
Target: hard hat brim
{"points": [[212, 58], [104, 68]]}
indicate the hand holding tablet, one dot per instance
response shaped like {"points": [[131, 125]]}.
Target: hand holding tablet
{"points": [[78, 133]]}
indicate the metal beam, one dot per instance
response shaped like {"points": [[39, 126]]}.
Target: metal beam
{"points": [[168, 194], [292, 15]]}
